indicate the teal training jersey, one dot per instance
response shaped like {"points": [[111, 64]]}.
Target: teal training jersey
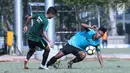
{"points": [[83, 39], [40, 23]]}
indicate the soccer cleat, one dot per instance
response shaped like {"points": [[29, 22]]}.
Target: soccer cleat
{"points": [[57, 64], [43, 67], [70, 65], [54, 65], [25, 65]]}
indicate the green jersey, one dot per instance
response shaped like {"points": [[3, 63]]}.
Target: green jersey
{"points": [[40, 23]]}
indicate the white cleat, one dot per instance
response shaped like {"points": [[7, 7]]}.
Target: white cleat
{"points": [[43, 67]]}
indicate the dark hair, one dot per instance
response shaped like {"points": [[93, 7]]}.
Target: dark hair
{"points": [[51, 10], [102, 29]]}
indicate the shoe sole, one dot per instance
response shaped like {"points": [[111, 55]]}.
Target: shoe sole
{"points": [[42, 68]]}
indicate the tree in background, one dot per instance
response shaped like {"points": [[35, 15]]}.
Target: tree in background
{"points": [[107, 10], [7, 9]]}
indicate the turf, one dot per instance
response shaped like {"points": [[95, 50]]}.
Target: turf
{"points": [[115, 50], [86, 66], [106, 50]]}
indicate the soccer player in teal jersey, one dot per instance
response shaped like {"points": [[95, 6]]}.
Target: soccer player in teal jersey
{"points": [[78, 43], [36, 34]]}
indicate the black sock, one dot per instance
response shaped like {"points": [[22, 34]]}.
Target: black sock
{"points": [[29, 54], [77, 59], [51, 61], [45, 56]]}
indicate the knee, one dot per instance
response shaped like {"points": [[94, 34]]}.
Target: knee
{"points": [[56, 57], [59, 55], [47, 49], [82, 55]]}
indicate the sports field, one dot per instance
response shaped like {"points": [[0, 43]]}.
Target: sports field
{"points": [[113, 65], [87, 66]]}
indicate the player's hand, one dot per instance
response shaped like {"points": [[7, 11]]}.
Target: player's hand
{"points": [[25, 29], [51, 44], [94, 27]]}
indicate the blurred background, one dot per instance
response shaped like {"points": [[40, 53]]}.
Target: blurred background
{"points": [[111, 14]]}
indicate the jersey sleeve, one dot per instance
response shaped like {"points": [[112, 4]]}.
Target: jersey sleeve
{"points": [[34, 16]]}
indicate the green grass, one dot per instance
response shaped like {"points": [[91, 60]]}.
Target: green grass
{"points": [[107, 50], [86, 66], [117, 50]]}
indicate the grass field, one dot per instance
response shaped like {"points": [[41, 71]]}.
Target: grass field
{"points": [[87, 66], [116, 50], [106, 50]]}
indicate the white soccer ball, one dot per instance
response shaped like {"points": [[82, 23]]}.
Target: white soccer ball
{"points": [[90, 50]]}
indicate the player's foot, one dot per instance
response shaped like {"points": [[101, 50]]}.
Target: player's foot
{"points": [[43, 67], [70, 65], [25, 67], [57, 64], [25, 64], [54, 65]]}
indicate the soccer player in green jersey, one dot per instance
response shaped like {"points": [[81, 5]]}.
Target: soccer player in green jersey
{"points": [[36, 34]]}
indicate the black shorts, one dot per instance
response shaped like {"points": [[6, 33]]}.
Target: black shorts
{"points": [[32, 44], [69, 49]]}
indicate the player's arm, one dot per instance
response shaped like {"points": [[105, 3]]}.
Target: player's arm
{"points": [[99, 56], [46, 38], [86, 26], [26, 23], [44, 34], [28, 20]]}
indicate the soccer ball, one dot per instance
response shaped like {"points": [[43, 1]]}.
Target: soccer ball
{"points": [[90, 50]]}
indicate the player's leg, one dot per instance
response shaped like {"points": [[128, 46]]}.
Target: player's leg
{"points": [[54, 58], [63, 51], [30, 53], [103, 43], [43, 45], [106, 43], [80, 55]]}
